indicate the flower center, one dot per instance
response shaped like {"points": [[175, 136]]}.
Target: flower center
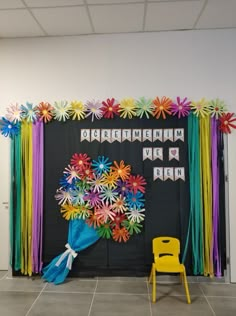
{"points": [[134, 199], [180, 107], [87, 171], [110, 108], [135, 184], [101, 166], [9, 126], [161, 107], [119, 170], [123, 188], [226, 122], [216, 109], [45, 112], [80, 162]]}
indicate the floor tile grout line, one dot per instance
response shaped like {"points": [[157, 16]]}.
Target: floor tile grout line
{"points": [[35, 300], [149, 298], [90, 308], [207, 300], [3, 277]]}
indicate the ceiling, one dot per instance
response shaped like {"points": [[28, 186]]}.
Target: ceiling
{"points": [[31, 18]]}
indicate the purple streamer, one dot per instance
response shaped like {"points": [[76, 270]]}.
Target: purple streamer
{"points": [[37, 217], [215, 191]]}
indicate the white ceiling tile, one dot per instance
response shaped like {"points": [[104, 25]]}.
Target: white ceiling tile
{"points": [[117, 18], [63, 21], [18, 23], [172, 15], [52, 3], [11, 4], [112, 1], [218, 14]]}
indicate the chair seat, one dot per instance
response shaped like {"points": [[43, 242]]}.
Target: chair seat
{"points": [[169, 264]]}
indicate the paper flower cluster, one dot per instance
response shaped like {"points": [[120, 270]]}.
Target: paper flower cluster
{"points": [[107, 196]]}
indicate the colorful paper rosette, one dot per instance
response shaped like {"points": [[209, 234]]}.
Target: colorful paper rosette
{"points": [[104, 194]]}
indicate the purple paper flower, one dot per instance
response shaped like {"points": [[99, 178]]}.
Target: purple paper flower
{"points": [[94, 108], [181, 107]]}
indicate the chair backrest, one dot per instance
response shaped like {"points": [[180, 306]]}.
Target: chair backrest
{"points": [[165, 246]]}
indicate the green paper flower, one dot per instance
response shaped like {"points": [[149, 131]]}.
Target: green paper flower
{"points": [[217, 108], [132, 227], [105, 231], [144, 107]]}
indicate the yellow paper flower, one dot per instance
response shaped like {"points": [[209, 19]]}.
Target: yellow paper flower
{"points": [[127, 108], [77, 110], [70, 212], [200, 108], [109, 179]]}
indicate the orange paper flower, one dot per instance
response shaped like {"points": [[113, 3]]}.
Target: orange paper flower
{"points": [[120, 234], [94, 221], [45, 112], [162, 107], [121, 170]]}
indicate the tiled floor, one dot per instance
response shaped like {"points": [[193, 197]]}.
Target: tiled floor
{"points": [[113, 297]]}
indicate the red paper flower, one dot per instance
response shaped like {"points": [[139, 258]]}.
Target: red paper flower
{"points": [[226, 122], [162, 107], [86, 172], [119, 218], [94, 221], [110, 108], [120, 234], [136, 183], [80, 160], [45, 112]]}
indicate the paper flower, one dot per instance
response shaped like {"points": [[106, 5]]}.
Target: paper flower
{"points": [[65, 184], [200, 108], [86, 172], [69, 211], [63, 197], [122, 187], [226, 122], [135, 200], [132, 227], [14, 113], [29, 112], [96, 183], [110, 108], [77, 196], [7, 128], [162, 107], [94, 108], [101, 165], [77, 110], [120, 234], [127, 108], [181, 108], [72, 173], [136, 183], [80, 160], [144, 107], [110, 180], [107, 194], [217, 108], [45, 112], [120, 170], [84, 211], [61, 111], [93, 198], [105, 212], [119, 206], [94, 221], [118, 219], [136, 215], [104, 231]]}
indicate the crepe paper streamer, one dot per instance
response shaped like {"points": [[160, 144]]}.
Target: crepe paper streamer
{"points": [[26, 198], [205, 148], [195, 226], [80, 237], [215, 195], [37, 219]]}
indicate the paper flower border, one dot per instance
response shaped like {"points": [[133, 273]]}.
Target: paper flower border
{"points": [[127, 108], [105, 195]]}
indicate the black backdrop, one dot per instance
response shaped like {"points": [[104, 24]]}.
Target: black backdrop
{"points": [[167, 202]]}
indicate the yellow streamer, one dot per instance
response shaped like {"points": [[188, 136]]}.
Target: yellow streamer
{"points": [[205, 148], [26, 198]]}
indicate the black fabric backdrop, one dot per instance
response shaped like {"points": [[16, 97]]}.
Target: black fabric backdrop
{"points": [[167, 202]]}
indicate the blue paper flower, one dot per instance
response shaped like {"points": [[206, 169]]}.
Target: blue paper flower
{"points": [[101, 165], [65, 184], [29, 112], [135, 200], [8, 128]]}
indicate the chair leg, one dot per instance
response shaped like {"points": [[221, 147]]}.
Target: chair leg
{"points": [[153, 283], [150, 276], [186, 287]]}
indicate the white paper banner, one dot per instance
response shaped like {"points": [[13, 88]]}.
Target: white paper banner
{"points": [[116, 135], [179, 174], [174, 153], [179, 134], [105, 135], [157, 173], [147, 135], [168, 135], [126, 135], [157, 153], [85, 135], [157, 135], [147, 153], [169, 174], [95, 135], [136, 135]]}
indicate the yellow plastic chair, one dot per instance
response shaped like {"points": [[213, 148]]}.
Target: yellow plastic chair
{"points": [[166, 259]]}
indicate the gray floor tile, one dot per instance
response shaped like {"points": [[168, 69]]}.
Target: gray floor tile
{"points": [[22, 284], [122, 305], [223, 307], [16, 303], [132, 287], [73, 285], [61, 304], [175, 289], [3, 274], [177, 305], [219, 289]]}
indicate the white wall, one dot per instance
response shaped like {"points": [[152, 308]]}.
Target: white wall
{"points": [[191, 63]]}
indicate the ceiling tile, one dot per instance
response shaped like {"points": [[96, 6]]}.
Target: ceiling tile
{"points": [[52, 3], [112, 1], [64, 21], [117, 18], [172, 15], [18, 23], [11, 4], [218, 14]]}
